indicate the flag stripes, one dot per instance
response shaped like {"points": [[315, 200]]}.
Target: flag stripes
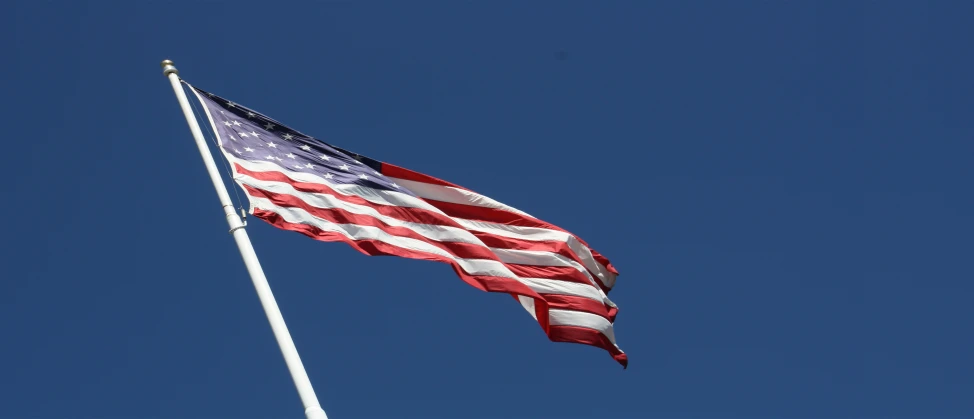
{"points": [[382, 209]]}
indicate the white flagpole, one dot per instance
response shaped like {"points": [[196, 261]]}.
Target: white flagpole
{"points": [[312, 410]]}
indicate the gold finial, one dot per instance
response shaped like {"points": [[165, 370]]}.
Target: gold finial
{"points": [[168, 67]]}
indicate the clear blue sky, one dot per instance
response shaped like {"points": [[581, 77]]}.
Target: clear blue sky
{"points": [[784, 186]]}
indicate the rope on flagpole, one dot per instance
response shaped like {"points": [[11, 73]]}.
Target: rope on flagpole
{"points": [[226, 165]]}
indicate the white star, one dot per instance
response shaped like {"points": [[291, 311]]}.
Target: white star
{"points": [[394, 185], [328, 176], [210, 94], [250, 115], [255, 134], [343, 167], [305, 147], [269, 157], [227, 123], [287, 136], [249, 149], [272, 145], [237, 123], [310, 166], [279, 159], [234, 139], [298, 166], [238, 151], [290, 155], [377, 173], [363, 176], [325, 157], [243, 135], [269, 126], [231, 104]]}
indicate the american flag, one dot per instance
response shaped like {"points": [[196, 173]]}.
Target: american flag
{"points": [[298, 183]]}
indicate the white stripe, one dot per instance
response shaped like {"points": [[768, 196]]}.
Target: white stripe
{"points": [[514, 232], [454, 195], [585, 255], [528, 304], [558, 317], [536, 258], [553, 286]]}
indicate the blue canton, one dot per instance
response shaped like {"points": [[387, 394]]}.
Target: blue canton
{"points": [[252, 136]]}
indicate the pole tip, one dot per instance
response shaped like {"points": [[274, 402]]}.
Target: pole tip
{"points": [[168, 67]]}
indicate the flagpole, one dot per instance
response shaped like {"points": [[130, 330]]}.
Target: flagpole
{"points": [[312, 410]]}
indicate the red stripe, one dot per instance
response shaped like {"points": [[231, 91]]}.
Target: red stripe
{"points": [[613, 311], [392, 170], [571, 302], [586, 336], [491, 215], [503, 242]]}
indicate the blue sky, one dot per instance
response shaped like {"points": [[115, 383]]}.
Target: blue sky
{"points": [[784, 186]]}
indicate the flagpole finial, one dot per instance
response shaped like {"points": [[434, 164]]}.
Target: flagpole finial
{"points": [[168, 67]]}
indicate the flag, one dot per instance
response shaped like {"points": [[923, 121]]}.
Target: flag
{"points": [[296, 182]]}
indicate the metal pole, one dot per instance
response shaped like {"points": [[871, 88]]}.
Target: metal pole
{"points": [[312, 409]]}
